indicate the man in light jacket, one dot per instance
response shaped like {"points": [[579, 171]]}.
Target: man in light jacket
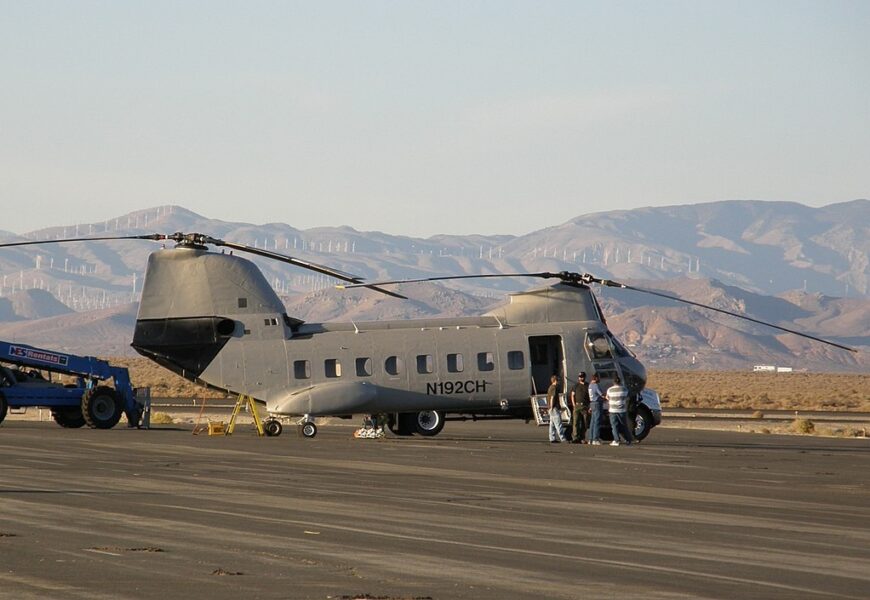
{"points": [[595, 399]]}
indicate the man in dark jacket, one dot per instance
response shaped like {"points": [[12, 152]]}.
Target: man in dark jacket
{"points": [[579, 406]]}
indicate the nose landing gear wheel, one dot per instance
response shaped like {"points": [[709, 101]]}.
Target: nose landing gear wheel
{"points": [[642, 423], [308, 429]]}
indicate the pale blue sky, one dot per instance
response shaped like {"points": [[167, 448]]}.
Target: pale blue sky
{"points": [[421, 118]]}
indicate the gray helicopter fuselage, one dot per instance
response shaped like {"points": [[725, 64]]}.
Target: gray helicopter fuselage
{"points": [[213, 318]]}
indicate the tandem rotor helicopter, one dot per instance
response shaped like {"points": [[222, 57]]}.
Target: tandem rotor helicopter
{"points": [[213, 318]]}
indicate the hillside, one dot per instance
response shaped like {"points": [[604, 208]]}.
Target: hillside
{"points": [[776, 261], [670, 335]]}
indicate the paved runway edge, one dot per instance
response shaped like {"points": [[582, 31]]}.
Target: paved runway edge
{"points": [[486, 510]]}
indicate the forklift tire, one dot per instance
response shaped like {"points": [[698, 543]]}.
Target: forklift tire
{"points": [[273, 427], [68, 417], [4, 407], [101, 407]]}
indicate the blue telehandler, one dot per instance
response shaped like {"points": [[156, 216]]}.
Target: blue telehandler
{"points": [[86, 401]]}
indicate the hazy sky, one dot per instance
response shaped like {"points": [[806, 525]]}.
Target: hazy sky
{"points": [[427, 117]]}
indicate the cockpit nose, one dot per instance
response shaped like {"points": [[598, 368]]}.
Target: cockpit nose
{"points": [[634, 373]]}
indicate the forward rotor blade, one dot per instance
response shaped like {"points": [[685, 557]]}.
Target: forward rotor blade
{"points": [[447, 277], [357, 281], [150, 236], [608, 283]]}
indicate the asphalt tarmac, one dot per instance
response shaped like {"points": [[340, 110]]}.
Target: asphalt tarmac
{"points": [[483, 511]]}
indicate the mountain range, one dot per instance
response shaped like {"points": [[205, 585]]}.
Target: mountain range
{"points": [[800, 267]]}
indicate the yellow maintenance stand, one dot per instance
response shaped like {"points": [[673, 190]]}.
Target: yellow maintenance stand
{"points": [[252, 408]]}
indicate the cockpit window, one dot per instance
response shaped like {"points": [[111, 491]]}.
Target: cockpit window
{"points": [[597, 346], [620, 350]]}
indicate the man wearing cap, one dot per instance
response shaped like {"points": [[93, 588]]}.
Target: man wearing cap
{"points": [[579, 406]]}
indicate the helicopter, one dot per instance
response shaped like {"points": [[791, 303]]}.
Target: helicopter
{"points": [[213, 318]]}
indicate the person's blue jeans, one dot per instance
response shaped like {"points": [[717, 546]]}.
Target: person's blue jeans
{"points": [[594, 421], [557, 428], [619, 425]]}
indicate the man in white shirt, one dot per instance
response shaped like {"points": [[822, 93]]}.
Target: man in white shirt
{"points": [[617, 406]]}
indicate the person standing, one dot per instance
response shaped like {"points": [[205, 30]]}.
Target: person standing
{"points": [[557, 429], [617, 406], [579, 408], [595, 399]]}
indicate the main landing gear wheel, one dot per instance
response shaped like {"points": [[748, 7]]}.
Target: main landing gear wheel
{"points": [[402, 423], [429, 422], [272, 427], [4, 407], [308, 429], [101, 407], [68, 417], [643, 423]]}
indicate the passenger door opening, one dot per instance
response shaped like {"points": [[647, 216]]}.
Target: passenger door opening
{"points": [[547, 359]]}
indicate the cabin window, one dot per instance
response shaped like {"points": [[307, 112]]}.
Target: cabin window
{"points": [[516, 360], [425, 364], [243, 303], [393, 365], [269, 322], [332, 366], [302, 369], [454, 363], [607, 375], [485, 361], [364, 367]]}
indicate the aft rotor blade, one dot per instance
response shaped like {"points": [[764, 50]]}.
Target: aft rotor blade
{"points": [[150, 236], [607, 282], [357, 281]]}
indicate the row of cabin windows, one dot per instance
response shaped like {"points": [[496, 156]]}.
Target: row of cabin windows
{"points": [[395, 365]]}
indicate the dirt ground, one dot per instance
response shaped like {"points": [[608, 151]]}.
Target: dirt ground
{"points": [[763, 391]]}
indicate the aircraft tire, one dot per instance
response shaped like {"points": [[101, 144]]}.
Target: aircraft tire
{"points": [[402, 423], [101, 407], [428, 423], [68, 417], [4, 407], [308, 429], [643, 423], [273, 427]]}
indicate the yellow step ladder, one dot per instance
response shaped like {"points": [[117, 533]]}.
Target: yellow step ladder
{"points": [[248, 401]]}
